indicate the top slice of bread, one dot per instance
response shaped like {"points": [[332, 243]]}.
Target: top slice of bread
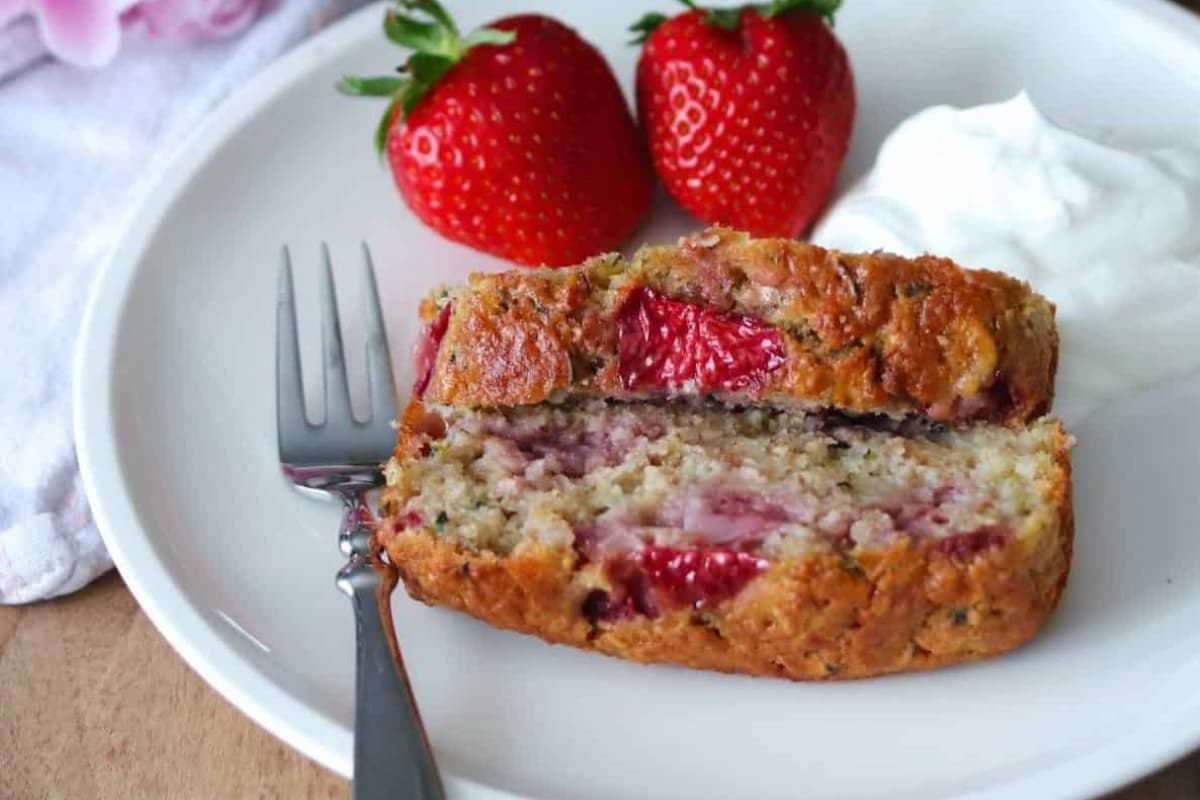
{"points": [[865, 334]]}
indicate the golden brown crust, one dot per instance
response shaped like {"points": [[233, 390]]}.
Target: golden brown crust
{"points": [[824, 615], [863, 333]]}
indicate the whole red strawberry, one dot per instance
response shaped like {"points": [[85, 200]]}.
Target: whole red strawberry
{"points": [[748, 111], [515, 140]]}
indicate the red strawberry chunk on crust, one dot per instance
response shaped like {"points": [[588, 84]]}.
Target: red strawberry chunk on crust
{"points": [[672, 344], [656, 578], [698, 576], [966, 545], [425, 350]]}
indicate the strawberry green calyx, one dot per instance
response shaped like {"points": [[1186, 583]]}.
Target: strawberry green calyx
{"points": [[645, 26], [727, 18], [426, 28], [823, 7]]}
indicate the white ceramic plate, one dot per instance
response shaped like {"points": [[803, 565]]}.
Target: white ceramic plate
{"points": [[175, 422]]}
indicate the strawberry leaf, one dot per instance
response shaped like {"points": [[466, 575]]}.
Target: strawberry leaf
{"points": [[425, 36], [434, 10], [646, 25], [409, 94], [427, 68], [488, 36], [385, 126], [723, 18], [384, 86], [823, 7]]}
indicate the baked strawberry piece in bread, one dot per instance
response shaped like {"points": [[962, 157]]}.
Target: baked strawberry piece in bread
{"points": [[748, 321], [804, 545]]}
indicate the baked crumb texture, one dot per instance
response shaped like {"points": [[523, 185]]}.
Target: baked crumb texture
{"points": [[809, 545], [874, 333]]}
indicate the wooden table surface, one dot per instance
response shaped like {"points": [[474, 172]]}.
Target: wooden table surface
{"points": [[95, 704]]}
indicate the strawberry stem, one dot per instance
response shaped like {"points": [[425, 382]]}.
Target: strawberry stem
{"points": [[729, 18], [429, 31]]}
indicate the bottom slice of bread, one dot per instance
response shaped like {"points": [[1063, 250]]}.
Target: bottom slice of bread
{"points": [[808, 546]]}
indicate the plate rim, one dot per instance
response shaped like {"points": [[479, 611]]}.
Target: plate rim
{"points": [[1104, 768]]}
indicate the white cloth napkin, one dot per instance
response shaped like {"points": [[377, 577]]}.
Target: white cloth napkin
{"points": [[76, 149]]}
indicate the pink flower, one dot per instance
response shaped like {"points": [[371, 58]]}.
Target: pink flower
{"points": [[194, 19], [83, 32], [87, 32]]}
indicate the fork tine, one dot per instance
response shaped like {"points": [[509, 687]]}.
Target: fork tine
{"points": [[379, 362], [337, 390], [289, 385]]}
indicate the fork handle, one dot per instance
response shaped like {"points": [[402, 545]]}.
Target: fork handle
{"points": [[392, 757]]}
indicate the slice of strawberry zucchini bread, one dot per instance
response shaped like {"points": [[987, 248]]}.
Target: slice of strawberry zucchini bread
{"points": [[749, 321], [801, 544]]}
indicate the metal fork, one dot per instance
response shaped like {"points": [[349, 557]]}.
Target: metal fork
{"points": [[340, 458]]}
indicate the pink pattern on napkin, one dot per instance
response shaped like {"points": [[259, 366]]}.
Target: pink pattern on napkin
{"points": [[194, 19], [87, 33], [83, 32]]}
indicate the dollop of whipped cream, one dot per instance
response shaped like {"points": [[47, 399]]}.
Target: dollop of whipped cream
{"points": [[1111, 236]]}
